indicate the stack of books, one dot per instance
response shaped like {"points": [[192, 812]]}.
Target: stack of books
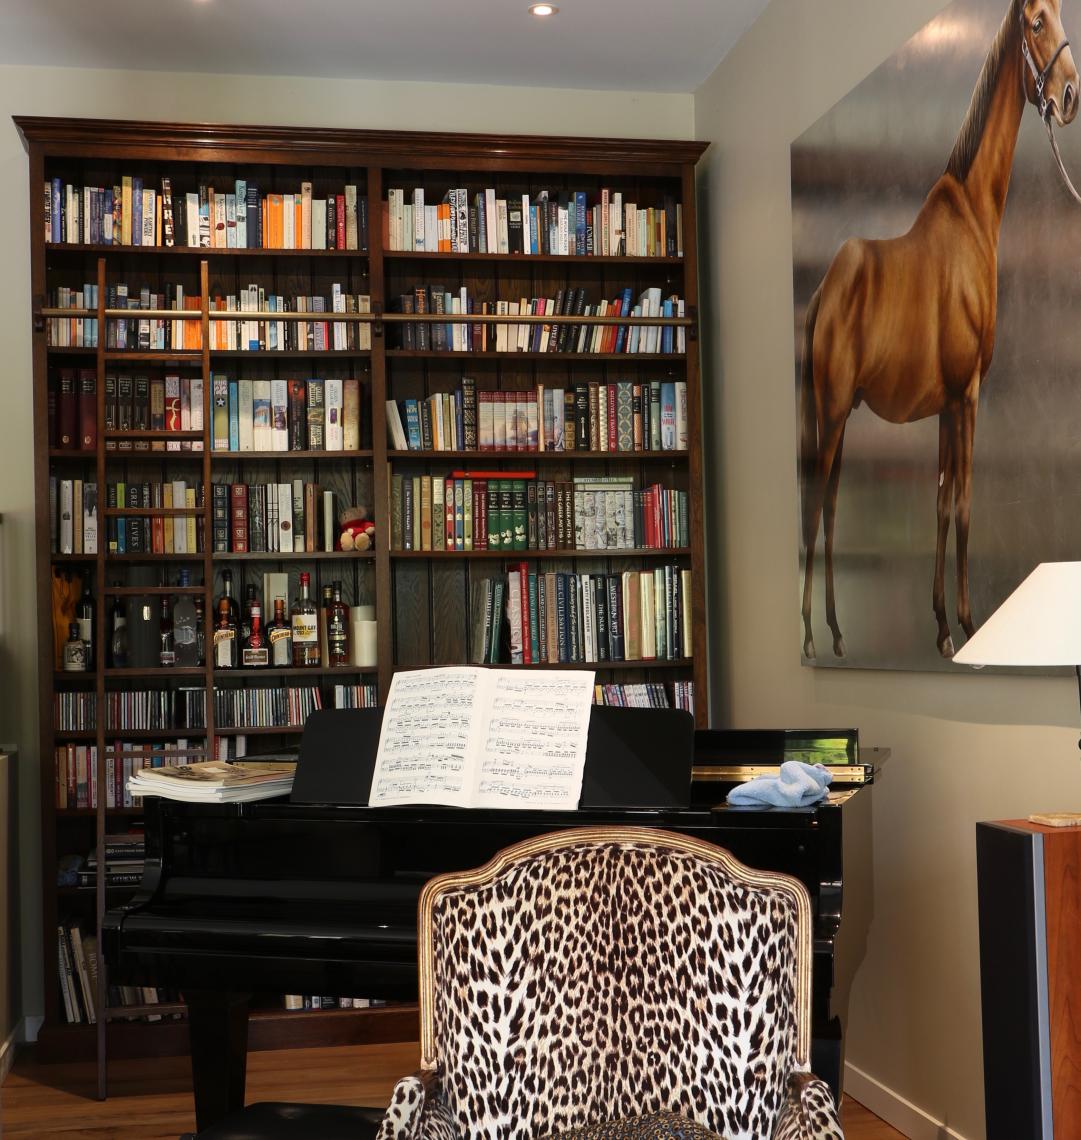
{"points": [[214, 782]]}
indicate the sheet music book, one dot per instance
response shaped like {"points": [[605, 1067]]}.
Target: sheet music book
{"points": [[489, 738]]}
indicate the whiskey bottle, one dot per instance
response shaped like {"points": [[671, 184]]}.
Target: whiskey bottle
{"points": [[167, 646], [304, 621], [245, 620], [280, 636], [229, 599], [74, 650], [118, 634], [225, 654], [254, 653], [84, 615], [337, 629], [186, 627]]}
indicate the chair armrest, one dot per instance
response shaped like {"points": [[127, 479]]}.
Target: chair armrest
{"points": [[808, 1112], [415, 1111]]}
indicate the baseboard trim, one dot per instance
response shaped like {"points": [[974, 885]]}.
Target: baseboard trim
{"points": [[902, 1114]]}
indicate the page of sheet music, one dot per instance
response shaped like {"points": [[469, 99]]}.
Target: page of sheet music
{"points": [[428, 737], [533, 745], [497, 738]]}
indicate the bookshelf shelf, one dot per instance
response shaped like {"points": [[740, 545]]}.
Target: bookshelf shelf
{"points": [[620, 358], [527, 457], [284, 456], [68, 677], [575, 260], [119, 250], [536, 555], [311, 556], [424, 600], [75, 734]]}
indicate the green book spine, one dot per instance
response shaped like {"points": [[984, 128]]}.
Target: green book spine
{"points": [[531, 515], [506, 514], [519, 515], [494, 536]]}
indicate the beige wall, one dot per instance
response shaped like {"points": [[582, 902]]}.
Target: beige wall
{"points": [[965, 748], [207, 98]]}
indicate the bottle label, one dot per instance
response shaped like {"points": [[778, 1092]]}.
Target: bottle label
{"points": [[255, 657], [184, 634], [167, 658], [281, 646], [74, 657], [224, 643], [305, 629], [85, 626]]}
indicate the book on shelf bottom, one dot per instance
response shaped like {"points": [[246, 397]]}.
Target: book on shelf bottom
{"points": [[300, 1003]]}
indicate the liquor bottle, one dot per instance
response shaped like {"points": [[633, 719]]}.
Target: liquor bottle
{"points": [[74, 650], [118, 634], [324, 607], [225, 655], [245, 620], [84, 615], [200, 630], [187, 627], [337, 629], [280, 636], [304, 621], [254, 653], [227, 597], [167, 647]]}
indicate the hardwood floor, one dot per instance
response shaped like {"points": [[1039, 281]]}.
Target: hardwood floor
{"points": [[151, 1099]]}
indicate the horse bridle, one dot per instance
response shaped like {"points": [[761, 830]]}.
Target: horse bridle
{"points": [[1039, 78]]}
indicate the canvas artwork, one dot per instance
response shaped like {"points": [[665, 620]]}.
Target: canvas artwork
{"points": [[937, 279]]}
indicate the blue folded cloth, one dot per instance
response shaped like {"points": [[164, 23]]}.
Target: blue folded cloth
{"points": [[796, 785]]}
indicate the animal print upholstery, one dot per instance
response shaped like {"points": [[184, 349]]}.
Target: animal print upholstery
{"points": [[607, 979], [656, 1126]]}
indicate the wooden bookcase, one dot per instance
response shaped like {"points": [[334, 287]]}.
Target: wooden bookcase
{"points": [[421, 597]]}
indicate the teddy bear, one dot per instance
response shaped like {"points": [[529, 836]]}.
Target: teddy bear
{"points": [[355, 529]]}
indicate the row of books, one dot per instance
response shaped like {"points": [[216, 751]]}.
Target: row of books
{"points": [[73, 516], [568, 223], [74, 710], [549, 335], [647, 695], [146, 534], [153, 403], [73, 409], [143, 709], [294, 517], [79, 329], [617, 416], [561, 618], [355, 696], [493, 510], [77, 769], [78, 968], [256, 334], [125, 856], [284, 707], [299, 1003], [286, 415], [238, 217]]}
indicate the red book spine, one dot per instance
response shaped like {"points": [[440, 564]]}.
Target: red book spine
{"points": [[480, 514], [157, 535], [527, 647], [67, 417], [238, 499], [339, 217]]}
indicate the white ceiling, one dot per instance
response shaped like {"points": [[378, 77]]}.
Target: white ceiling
{"points": [[629, 45]]}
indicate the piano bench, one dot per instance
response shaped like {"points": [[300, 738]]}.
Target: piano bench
{"points": [[273, 1121]]}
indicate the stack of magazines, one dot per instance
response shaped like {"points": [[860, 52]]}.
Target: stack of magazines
{"points": [[214, 781]]}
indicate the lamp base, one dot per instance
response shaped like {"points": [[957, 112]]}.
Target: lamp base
{"points": [[1057, 818]]}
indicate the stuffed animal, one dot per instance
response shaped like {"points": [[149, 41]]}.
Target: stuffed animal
{"points": [[355, 530]]}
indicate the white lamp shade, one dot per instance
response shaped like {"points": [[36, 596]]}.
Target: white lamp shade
{"points": [[1038, 624]]}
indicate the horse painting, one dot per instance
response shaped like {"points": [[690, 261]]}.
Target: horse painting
{"points": [[907, 325]]}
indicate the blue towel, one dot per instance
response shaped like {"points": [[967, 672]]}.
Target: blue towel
{"points": [[796, 785]]}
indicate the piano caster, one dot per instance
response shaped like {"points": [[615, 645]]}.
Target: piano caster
{"points": [[218, 1029]]}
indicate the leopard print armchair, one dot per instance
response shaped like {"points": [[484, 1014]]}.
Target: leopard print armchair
{"points": [[604, 973]]}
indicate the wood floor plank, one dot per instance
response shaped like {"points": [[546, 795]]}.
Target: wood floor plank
{"points": [[150, 1099]]}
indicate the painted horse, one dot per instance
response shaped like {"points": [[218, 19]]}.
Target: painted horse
{"points": [[907, 325]]}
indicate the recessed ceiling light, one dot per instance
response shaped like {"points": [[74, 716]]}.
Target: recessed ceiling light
{"points": [[542, 9]]}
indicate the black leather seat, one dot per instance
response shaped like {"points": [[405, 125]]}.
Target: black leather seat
{"points": [[272, 1121]]}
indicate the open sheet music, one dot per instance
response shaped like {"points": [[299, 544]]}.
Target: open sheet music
{"points": [[490, 738]]}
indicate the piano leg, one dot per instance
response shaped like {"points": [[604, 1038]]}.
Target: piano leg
{"points": [[218, 1027], [827, 1049]]}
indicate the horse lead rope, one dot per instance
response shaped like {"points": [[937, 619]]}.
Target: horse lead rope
{"points": [[1058, 158]]}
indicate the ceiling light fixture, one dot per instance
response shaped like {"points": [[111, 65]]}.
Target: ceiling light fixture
{"points": [[542, 9]]}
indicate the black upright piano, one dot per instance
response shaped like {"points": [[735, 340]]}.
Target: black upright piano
{"points": [[282, 897]]}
